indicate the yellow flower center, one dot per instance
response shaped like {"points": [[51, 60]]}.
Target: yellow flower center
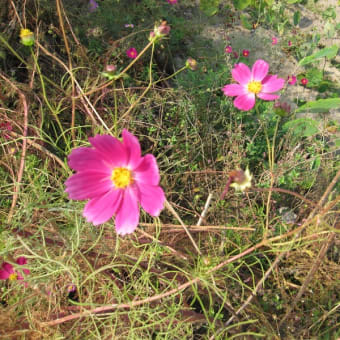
{"points": [[121, 177], [13, 277], [254, 86]]}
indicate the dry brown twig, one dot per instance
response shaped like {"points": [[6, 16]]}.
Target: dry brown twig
{"points": [[173, 211], [42, 149], [265, 242], [174, 291], [69, 57], [24, 148]]}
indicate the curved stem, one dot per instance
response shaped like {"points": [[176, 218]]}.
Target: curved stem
{"points": [[55, 114]]}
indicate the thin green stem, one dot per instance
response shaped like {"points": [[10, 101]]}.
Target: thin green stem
{"points": [[172, 75], [133, 105], [116, 109], [46, 100], [4, 41], [151, 84], [271, 161], [274, 140]]}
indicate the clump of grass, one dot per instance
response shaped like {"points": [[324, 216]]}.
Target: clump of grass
{"points": [[245, 271]]}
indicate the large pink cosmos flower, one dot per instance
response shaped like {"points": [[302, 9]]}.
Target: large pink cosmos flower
{"points": [[116, 178], [254, 82], [7, 270]]}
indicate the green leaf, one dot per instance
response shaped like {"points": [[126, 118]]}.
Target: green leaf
{"points": [[209, 7], [292, 1], [296, 18], [328, 52], [329, 13], [329, 29], [316, 163], [269, 2], [302, 127], [245, 22], [314, 76], [321, 105], [241, 4], [307, 60], [337, 143]]}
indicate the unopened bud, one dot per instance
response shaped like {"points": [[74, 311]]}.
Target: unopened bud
{"points": [[191, 63], [281, 109], [240, 179], [110, 68], [26, 37], [159, 31], [110, 72]]}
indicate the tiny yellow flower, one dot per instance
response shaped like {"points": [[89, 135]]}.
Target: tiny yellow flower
{"points": [[27, 37], [241, 179]]}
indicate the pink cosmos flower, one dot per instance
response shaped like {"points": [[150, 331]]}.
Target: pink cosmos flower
{"points": [[304, 81], [228, 49], [245, 53], [132, 53], [291, 80], [289, 43], [116, 178], [254, 82], [274, 40], [93, 5], [172, 2], [7, 270], [71, 288], [5, 128]]}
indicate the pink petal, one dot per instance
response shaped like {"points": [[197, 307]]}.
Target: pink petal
{"points": [[268, 96], [127, 216], [132, 148], [245, 102], [100, 209], [147, 172], [19, 276], [272, 84], [291, 80], [8, 268], [152, 199], [4, 274], [86, 159], [86, 185], [234, 90], [21, 260], [110, 149], [26, 271], [241, 74], [259, 70]]}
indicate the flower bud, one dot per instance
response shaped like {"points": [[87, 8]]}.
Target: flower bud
{"points": [[110, 72], [26, 37], [240, 180], [281, 109], [159, 31], [191, 63], [110, 68]]}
